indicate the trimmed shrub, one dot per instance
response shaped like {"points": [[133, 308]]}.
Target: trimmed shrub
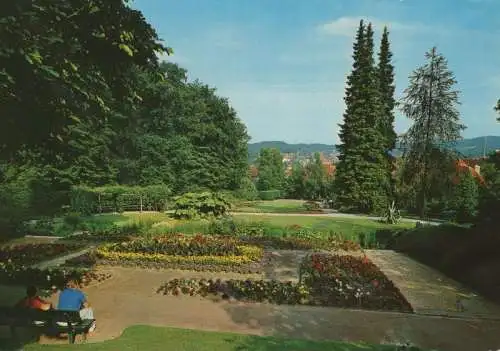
{"points": [[201, 205], [119, 198]]}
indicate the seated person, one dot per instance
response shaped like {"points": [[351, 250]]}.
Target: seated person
{"points": [[32, 300], [72, 299]]}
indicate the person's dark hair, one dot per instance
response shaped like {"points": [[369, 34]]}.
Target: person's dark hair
{"points": [[31, 291]]}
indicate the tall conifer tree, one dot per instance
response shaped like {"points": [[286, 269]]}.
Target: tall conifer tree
{"points": [[361, 180], [432, 103], [386, 90]]}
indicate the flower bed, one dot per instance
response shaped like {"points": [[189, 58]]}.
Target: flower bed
{"points": [[347, 281], [201, 253], [271, 291], [298, 243], [47, 278], [326, 280], [29, 254]]}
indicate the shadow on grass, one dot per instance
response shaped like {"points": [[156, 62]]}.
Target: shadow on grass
{"points": [[23, 337]]}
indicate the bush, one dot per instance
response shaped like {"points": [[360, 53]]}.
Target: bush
{"points": [[200, 205], [119, 198], [464, 203], [73, 220], [247, 191], [312, 206], [269, 194]]}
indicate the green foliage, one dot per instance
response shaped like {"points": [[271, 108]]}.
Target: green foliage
{"points": [[73, 220], [489, 201], [392, 215], [385, 71], [362, 179], [271, 170], [183, 134], [312, 206], [196, 205], [269, 194], [65, 63], [247, 191], [497, 108], [88, 201], [310, 182], [436, 122], [464, 201]]}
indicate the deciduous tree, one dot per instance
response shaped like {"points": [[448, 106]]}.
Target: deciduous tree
{"points": [[64, 62], [271, 170]]}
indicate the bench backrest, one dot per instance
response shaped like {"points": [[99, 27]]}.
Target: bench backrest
{"points": [[30, 314]]}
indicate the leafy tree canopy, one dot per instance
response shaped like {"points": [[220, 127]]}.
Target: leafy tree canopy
{"points": [[66, 61]]}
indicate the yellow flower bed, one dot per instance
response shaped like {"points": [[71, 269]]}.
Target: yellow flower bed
{"points": [[250, 254]]}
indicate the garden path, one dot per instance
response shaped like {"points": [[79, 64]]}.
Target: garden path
{"points": [[61, 259], [130, 298], [429, 291]]}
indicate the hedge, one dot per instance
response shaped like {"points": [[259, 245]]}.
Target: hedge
{"points": [[119, 198], [269, 194]]}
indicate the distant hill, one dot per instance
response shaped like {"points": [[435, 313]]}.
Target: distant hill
{"points": [[472, 147]]}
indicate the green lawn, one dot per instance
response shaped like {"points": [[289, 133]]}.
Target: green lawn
{"points": [[57, 227], [273, 206], [157, 338], [319, 222]]}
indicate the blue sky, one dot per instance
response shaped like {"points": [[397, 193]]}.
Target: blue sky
{"points": [[283, 63]]}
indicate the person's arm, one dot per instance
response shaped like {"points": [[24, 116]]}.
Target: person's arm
{"points": [[43, 305], [46, 306], [85, 303]]}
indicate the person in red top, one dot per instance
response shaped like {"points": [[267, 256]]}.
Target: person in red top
{"points": [[32, 300]]}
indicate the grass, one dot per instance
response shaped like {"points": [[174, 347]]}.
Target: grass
{"points": [[273, 206], [369, 233], [158, 338], [57, 226]]}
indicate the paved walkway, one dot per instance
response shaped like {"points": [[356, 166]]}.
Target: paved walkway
{"points": [[130, 298], [61, 259], [429, 291]]}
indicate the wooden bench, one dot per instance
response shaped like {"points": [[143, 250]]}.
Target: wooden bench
{"points": [[52, 321]]}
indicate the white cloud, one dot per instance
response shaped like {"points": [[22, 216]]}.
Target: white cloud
{"points": [[346, 26]]}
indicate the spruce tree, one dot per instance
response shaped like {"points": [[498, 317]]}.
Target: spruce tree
{"points": [[386, 90], [361, 180], [431, 102], [497, 108]]}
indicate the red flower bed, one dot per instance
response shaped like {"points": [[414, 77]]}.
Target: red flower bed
{"points": [[29, 254], [349, 281]]}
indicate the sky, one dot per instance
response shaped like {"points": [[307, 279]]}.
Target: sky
{"points": [[283, 63]]}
